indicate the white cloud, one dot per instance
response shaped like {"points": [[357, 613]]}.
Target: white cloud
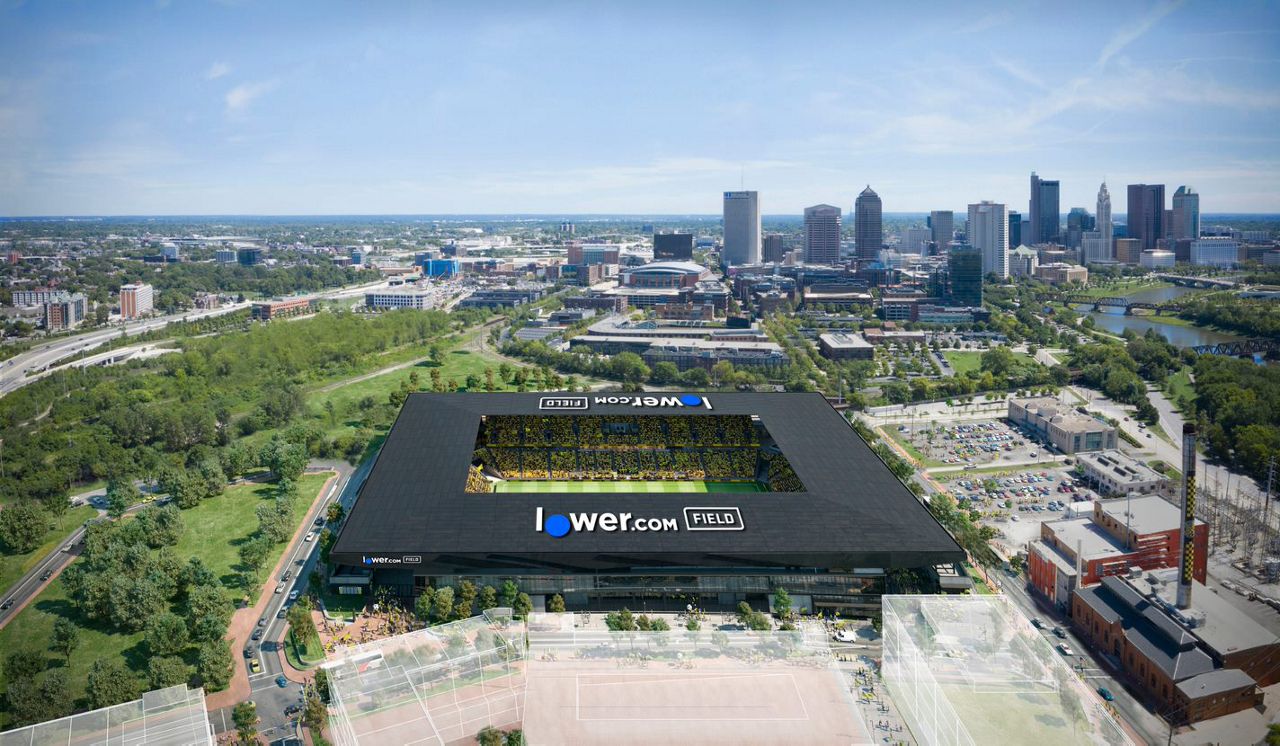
{"points": [[989, 21], [1126, 36], [217, 70], [239, 98]]}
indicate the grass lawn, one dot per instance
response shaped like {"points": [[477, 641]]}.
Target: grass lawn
{"points": [[303, 656], [992, 717], [902, 440], [342, 606], [964, 361], [1121, 289], [13, 566], [625, 486], [1179, 385], [212, 531], [216, 528]]}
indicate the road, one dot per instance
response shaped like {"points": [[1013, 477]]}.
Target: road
{"points": [[37, 362], [1148, 726], [43, 572], [302, 558]]}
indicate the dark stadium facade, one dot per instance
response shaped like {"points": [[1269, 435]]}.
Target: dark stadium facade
{"points": [[830, 541]]}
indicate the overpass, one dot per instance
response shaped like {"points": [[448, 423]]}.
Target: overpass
{"points": [[1241, 348]]}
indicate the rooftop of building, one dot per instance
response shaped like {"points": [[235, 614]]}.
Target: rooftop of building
{"points": [[1120, 466], [1055, 556], [1145, 514], [1215, 682], [682, 267], [1060, 414], [1148, 628], [845, 340], [1084, 536], [1220, 625]]}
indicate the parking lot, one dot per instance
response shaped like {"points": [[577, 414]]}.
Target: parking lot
{"points": [[970, 444], [1016, 501]]}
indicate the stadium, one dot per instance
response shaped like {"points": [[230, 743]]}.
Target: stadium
{"points": [[648, 501]]}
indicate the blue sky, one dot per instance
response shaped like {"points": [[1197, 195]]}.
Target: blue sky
{"points": [[637, 107]]}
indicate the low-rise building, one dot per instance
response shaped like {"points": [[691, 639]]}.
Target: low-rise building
{"points": [[510, 298], [1198, 663], [605, 303], [64, 311], [1023, 261], [274, 309], [845, 346], [383, 300], [1118, 535], [35, 297], [1215, 251], [1114, 472], [705, 353], [878, 336], [1060, 273], [1061, 426]]}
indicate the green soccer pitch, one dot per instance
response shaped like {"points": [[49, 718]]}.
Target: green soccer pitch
{"points": [[632, 486]]}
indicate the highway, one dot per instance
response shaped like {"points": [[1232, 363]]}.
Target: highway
{"points": [[38, 362]]}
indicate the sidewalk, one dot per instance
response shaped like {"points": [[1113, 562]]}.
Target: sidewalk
{"points": [[245, 620]]}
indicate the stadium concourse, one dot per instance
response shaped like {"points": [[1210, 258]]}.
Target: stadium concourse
{"points": [[442, 685], [651, 502]]}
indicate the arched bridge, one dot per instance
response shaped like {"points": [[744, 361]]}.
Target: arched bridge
{"points": [[1241, 347]]}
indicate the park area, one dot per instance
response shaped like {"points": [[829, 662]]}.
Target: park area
{"points": [[626, 486], [212, 531]]}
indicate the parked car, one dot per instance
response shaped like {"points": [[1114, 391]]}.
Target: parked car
{"points": [[1106, 694], [287, 574], [1065, 649], [255, 666], [293, 595], [46, 575], [8, 604], [283, 611], [311, 536], [281, 681], [248, 651], [319, 520], [280, 588], [1037, 623], [293, 709], [262, 622], [1058, 632], [257, 634]]}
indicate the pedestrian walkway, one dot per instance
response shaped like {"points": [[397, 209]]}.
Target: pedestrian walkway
{"points": [[884, 722]]}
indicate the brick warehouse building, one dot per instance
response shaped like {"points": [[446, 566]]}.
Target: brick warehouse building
{"points": [[1121, 533]]}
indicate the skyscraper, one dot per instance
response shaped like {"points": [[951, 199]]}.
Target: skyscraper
{"points": [[943, 223], [1102, 218], [988, 232], [822, 234], [1145, 214], [868, 228], [741, 228], [1078, 222], [1186, 213], [964, 277], [1015, 229], [1046, 217]]}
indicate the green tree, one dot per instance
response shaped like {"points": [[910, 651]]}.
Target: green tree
{"points": [[488, 597], [629, 367], [167, 634], [245, 717], [442, 607], [423, 604], [65, 638], [335, 512], [523, 605], [507, 597], [22, 526], [208, 613], [665, 373], [110, 683], [299, 618], [166, 670], [286, 460], [314, 714], [999, 360], [621, 621], [466, 598], [121, 494], [214, 665], [782, 603], [490, 736], [556, 604]]}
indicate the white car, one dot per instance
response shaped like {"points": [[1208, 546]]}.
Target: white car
{"points": [[311, 536], [1065, 649], [293, 595], [280, 588]]}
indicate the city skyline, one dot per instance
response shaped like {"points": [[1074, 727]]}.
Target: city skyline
{"points": [[229, 109]]}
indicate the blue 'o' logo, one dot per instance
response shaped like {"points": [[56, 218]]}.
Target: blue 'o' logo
{"points": [[689, 400], [557, 525]]}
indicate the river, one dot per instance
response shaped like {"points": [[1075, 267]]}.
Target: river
{"points": [[1113, 320]]}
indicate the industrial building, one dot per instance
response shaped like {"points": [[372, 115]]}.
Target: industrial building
{"points": [[1061, 426]]}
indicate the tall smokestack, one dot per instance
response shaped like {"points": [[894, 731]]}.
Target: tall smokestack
{"points": [[1188, 566]]}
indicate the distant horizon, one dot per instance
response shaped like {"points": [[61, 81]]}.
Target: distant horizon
{"points": [[568, 216]]}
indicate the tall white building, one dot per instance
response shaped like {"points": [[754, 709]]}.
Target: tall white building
{"points": [[741, 228], [1215, 252], [1095, 248], [1102, 224], [137, 299], [914, 240], [1186, 213], [988, 232]]}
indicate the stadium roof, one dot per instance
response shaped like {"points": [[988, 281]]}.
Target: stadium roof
{"points": [[853, 513]]}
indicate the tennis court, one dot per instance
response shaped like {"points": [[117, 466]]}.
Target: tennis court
{"points": [[625, 486]]}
